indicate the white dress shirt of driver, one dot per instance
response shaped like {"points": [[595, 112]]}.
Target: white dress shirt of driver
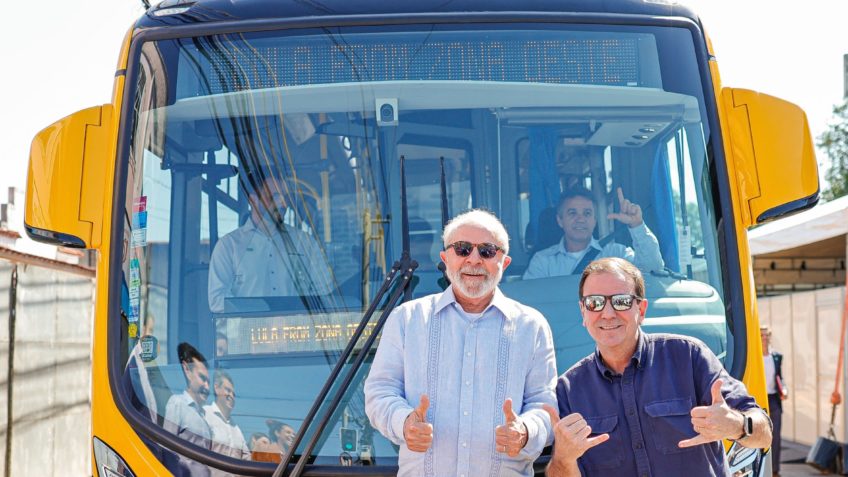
{"points": [[252, 261], [576, 217]]}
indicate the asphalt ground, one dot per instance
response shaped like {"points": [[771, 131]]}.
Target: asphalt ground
{"points": [[792, 457]]}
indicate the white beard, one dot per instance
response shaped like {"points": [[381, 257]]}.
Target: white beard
{"points": [[475, 291]]}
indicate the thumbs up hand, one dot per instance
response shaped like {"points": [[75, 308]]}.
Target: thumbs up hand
{"points": [[511, 437], [714, 422], [417, 432]]}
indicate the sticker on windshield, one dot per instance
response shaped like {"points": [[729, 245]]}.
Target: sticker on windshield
{"points": [[139, 222], [134, 290], [139, 238], [149, 348], [140, 204]]}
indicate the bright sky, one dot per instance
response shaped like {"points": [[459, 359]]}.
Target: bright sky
{"points": [[60, 57]]}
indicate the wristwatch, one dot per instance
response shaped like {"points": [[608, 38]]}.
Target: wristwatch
{"points": [[747, 426]]}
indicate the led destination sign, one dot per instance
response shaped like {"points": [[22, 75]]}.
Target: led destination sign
{"points": [[287, 334], [613, 59]]}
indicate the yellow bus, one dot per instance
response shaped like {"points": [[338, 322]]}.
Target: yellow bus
{"points": [[267, 171]]}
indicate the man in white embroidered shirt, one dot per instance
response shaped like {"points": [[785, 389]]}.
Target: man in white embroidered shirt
{"points": [[227, 437], [267, 257], [576, 217], [460, 377]]}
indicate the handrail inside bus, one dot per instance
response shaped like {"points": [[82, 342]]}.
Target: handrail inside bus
{"points": [[401, 286]]}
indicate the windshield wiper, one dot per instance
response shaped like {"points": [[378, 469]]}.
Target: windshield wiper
{"points": [[444, 282], [397, 280]]}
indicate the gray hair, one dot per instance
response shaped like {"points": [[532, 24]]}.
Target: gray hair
{"points": [[481, 219]]}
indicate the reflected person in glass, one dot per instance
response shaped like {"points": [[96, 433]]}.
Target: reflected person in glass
{"points": [[282, 436], [267, 257], [184, 412], [576, 217], [460, 377], [227, 437]]}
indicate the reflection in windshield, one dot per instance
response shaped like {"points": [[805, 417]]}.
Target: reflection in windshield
{"points": [[262, 210]]}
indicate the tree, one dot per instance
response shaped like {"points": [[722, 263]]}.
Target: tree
{"points": [[834, 141]]}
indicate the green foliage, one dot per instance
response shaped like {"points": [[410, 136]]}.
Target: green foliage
{"points": [[834, 141]]}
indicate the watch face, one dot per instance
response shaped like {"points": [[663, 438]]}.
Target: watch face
{"points": [[748, 427]]}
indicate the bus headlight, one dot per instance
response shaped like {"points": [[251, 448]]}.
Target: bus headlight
{"points": [[108, 462]]}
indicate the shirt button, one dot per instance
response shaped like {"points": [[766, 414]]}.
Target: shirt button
{"points": [[638, 445], [464, 444], [626, 381], [631, 412], [468, 354], [468, 383], [465, 413]]}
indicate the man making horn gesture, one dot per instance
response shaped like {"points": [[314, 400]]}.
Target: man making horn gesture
{"points": [[645, 404]]}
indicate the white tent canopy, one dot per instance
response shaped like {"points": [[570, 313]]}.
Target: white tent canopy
{"points": [[822, 222]]}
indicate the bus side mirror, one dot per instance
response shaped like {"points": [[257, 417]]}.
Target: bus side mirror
{"points": [[66, 181], [772, 154]]}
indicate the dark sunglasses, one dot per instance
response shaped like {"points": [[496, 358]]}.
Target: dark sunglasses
{"points": [[618, 302], [464, 249]]}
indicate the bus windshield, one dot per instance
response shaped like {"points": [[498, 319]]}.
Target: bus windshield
{"points": [[263, 201]]}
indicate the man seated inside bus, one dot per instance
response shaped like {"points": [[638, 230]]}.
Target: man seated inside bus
{"points": [[576, 217], [267, 257]]}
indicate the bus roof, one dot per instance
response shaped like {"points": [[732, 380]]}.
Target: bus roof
{"points": [[216, 11]]}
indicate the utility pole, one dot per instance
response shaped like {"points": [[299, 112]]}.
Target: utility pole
{"points": [[10, 370]]}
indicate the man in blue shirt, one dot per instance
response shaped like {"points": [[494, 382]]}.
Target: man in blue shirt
{"points": [[645, 405], [460, 377], [576, 217]]}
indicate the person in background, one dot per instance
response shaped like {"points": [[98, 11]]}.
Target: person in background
{"points": [[227, 437], [282, 435], [267, 257], [261, 449], [777, 393], [184, 412], [259, 439], [576, 216], [221, 344]]}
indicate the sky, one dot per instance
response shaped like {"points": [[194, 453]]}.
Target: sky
{"points": [[60, 57]]}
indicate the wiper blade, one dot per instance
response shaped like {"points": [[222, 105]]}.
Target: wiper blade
{"points": [[316, 405], [408, 267], [444, 282]]}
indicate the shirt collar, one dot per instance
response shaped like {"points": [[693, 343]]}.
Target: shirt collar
{"points": [[252, 226], [186, 397], [499, 301], [214, 409], [592, 244], [641, 357]]}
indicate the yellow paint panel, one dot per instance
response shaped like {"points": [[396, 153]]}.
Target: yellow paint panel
{"points": [[769, 142], [67, 173]]}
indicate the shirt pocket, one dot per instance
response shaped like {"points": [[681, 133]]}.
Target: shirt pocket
{"points": [[609, 454], [670, 423]]}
